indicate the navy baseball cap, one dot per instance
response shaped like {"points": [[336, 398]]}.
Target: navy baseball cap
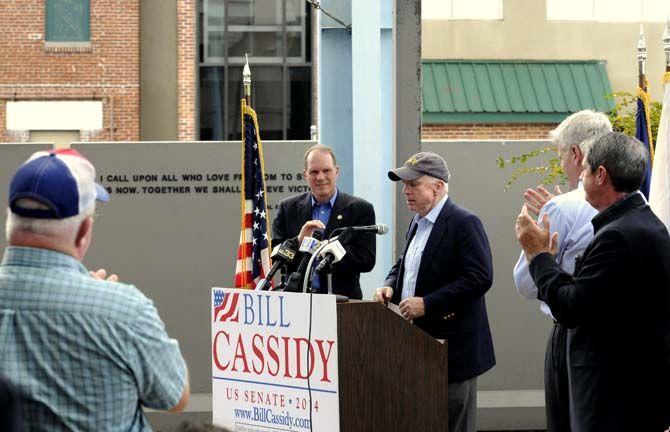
{"points": [[420, 164], [63, 180]]}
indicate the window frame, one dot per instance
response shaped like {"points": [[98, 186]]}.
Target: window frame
{"points": [[49, 23], [283, 62]]}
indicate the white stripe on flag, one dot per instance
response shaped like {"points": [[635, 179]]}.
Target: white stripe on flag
{"points": [[246, 236], [238, 265]]}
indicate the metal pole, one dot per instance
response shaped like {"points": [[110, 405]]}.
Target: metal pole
{"points": [[246, 80], [641, 60], [316, 49], [666, 44]]}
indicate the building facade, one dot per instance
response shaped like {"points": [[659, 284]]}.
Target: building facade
{"points": [[545, 31], [70, 71]]}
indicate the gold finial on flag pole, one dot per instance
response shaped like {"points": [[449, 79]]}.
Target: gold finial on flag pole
{"points": [[246, 80]]}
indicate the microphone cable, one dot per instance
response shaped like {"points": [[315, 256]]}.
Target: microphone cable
{"points": [[309, 344]]}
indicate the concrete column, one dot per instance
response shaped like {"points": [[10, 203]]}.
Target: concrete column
{"points": [[371, 85], [406, 97]]}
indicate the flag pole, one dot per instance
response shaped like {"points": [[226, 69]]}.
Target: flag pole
{"points": [[666, 44], [246, 80], [642, 60]]}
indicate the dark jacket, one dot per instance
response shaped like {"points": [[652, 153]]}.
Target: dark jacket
{"points": [[618, 311], [347, 211], [455, 272], [10, 416]]}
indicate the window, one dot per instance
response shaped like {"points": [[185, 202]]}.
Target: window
{"points": [[608, 10], [276, 36], [461, 9], [67, 21]]}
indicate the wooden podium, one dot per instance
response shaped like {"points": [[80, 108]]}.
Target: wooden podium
{"points": [[392, 375]]}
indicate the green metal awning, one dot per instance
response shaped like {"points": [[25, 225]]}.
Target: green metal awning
{"points": [[512, 91]]}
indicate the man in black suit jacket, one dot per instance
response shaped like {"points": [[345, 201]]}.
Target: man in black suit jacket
{"points": [[441, 278], [617, 304], [326, 208]]}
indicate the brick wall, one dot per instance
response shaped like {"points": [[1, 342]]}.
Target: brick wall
{"points": [[186, 65], [487, 131], [107, 69]]}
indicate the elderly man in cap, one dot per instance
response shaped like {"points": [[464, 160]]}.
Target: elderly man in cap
{"points": [[85, 351], [440, 280]]}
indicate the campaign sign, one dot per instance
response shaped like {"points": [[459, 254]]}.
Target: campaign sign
{"points": [[265, 361]]}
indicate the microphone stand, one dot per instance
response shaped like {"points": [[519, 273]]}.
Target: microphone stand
{"points": [[282, 283], [308, 277]]}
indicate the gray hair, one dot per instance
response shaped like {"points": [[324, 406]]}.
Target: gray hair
{"points": [[624, 158], [578, 127], [65, 229], [435, 180], [320, 148]]}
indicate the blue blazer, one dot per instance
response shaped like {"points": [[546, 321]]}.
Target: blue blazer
{"points": [[455, 272]]}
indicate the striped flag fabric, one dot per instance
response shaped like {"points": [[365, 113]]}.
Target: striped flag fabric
{"points": [[253, 253], [643, 133], [659, 194]]}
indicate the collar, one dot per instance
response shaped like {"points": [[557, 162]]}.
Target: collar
{"points": [[21, 256], [331, 200], [613, 212], [434, 212]]}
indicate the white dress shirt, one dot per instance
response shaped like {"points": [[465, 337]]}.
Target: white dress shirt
{"points": [[570, 215], [416, 246]]}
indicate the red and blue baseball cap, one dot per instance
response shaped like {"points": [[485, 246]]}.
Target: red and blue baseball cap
{"points": [[63, 180]]}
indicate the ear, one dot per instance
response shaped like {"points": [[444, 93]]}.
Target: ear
{"points": [[576, 153], [438, 187], [601, 175], [83, 238]]}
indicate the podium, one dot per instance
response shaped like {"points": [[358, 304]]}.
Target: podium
{"points": [[392, 375]]}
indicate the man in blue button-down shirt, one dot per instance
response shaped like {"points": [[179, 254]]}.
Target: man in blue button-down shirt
{"points": [[85, 351]]}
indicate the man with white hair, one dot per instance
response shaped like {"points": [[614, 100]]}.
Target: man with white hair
{"points": [[85, 351], [616, 304], [441, 278], [570, 217]]}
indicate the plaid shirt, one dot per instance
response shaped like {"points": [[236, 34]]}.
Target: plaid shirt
{"points": [[86, 354]]}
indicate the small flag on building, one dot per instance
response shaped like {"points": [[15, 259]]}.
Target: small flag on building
{"points": [[253, 254]]}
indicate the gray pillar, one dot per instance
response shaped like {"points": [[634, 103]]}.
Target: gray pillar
{"points": [[406, 98]]}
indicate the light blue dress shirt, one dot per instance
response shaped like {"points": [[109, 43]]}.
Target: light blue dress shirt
{"points": [[570, 215], [416, 247], [321, 212]]}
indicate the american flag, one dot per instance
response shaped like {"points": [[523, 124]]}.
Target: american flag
{"points": [[225, 306], [253, 254]]}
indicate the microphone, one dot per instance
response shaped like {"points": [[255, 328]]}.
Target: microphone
{"points": [[330, 254], [379, 229], [309, 245], [281, 254]]}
